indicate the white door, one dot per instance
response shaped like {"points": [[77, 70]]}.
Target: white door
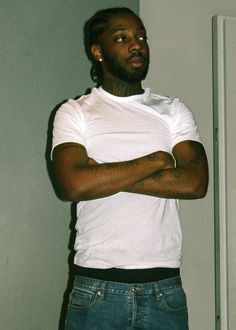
{"points": [[224, 59]]}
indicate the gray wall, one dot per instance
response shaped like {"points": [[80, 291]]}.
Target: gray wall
{"points": [[181, 64], [42, 63]]}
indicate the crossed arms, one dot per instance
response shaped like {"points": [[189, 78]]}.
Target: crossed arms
{"points": [[81, 178]]}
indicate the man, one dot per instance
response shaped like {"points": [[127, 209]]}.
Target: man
{"points": [[126, 155]]}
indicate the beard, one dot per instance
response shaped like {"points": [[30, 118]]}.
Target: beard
{"points": [[126, 73]]}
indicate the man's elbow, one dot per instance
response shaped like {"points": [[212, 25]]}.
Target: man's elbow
{"points": [[201, 193], [71, 193], [200, 189]]}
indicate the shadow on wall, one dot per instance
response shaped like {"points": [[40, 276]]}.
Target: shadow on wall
{"points": [[57, 191], [59, 195], [69, 285], [96, 76]]}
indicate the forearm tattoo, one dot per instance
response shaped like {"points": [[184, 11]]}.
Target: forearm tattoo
{"points": [[198, 152]]}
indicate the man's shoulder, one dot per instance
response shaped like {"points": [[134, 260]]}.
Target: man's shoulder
{"points": [[91, 97], [76, 103], [162, 103], [156, 96]]}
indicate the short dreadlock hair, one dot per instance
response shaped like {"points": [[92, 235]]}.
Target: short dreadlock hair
{"points": [[93, 29]]}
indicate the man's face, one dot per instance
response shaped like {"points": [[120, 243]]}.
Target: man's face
{"points": [[124, 49]]}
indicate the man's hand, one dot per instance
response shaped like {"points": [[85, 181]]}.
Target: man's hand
{"points": [[170, 161], [91, 161]]}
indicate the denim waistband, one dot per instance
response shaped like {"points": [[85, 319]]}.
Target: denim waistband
{"points": [[126, 288]]}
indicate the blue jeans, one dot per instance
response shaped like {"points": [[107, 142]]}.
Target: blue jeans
{"points": [[101, 305]]}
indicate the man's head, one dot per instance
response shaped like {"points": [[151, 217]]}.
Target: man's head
{"points": [[116, 43]]}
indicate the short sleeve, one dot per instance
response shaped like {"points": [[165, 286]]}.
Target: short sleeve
{"points": [[184, 126], [68, 124]]}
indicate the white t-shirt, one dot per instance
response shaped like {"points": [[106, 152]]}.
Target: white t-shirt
{"points": [[126, 230]]}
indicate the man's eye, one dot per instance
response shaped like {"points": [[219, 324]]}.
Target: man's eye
{"points": [[120, 39], [142, 38]]}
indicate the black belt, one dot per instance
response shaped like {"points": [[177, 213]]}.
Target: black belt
{"points": [[128, 275]]}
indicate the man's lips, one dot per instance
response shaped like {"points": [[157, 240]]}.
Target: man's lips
{"points": [[136, 61]]}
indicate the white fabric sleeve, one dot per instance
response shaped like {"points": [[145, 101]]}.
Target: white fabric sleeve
{"points": [[68, 124], [184, 125]]}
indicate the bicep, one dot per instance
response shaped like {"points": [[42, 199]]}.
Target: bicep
{"points": [[67, 159], [191, 155]]}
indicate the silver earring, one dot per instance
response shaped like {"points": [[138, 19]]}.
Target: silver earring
{"points": [[100, 59]]}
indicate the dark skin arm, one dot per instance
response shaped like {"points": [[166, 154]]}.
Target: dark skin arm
{"points": [[80, 178], [189, 180]]}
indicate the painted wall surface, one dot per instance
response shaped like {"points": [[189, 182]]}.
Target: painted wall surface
{"points": [[42, 63], [180, 37]]}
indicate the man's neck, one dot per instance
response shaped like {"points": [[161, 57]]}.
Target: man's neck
{"points": [[121, 89]]}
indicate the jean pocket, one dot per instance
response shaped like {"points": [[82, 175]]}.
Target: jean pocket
{"points": [[82, 298], [174, 299]]}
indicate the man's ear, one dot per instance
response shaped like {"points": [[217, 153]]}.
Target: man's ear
{"points": [[96, 52]]}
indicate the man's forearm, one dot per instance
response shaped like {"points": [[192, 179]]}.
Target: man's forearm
{"points": [[179, 183], [92, 181], [189, 180]]}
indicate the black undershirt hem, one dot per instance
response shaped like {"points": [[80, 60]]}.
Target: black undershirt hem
{"points": [[128, 275]]}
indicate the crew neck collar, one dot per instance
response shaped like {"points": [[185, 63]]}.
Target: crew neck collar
{"points": [[124, 98]]}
